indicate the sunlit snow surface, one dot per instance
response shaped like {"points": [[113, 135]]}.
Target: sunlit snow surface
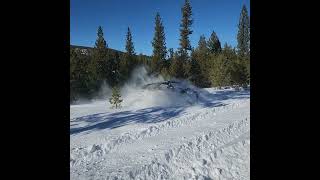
{"points": [[159, 134]]}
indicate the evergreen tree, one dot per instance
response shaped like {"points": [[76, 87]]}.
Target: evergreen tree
{"points": [[73, 63], [80, 80], [202, 45], [195, 71], [176, 66], [247, 67], [166, 71], [185, 46], [129, 44], [115, 99], [236, 66], [159, 46], [128, 60], [73, 75], [124, 68], [185, 30], [243, 36], [220, 74], [214, 44], [113, 73], [98, 65], [100, 43], [201, 55], [228, 51], [168, 62], [100, 50], [238, 72]]}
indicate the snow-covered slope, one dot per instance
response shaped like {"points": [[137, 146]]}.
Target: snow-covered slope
{"points": [[158, 135]]}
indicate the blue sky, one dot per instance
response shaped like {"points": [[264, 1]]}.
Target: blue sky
{"points": [[115, 16]]}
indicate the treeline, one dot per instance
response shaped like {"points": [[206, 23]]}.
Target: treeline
{"points": [[88, 71], [206, 65]]}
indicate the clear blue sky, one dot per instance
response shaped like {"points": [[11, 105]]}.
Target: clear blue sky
{"points": [[115, 16]]}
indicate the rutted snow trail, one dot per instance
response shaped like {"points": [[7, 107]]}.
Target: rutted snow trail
{"points": [[210, 140]]}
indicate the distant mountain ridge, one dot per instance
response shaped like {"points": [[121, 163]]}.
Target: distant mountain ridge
{"points": [[85, 50]]}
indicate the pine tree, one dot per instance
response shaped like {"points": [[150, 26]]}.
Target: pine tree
{"points": [[185, 46], [201, 55], [100, 50], [185, 30], [129, 44], [98, 66], [243, 36], [73, 75], [202, 44], [113, 73], [195, 71], [247, 67], [238, 71], [169, 60], [128, 60], [214, 44], [176, 66], [165, 71], [228, 51], [73, 64], [124, 68], [100, 43], [236, 67], [115, 99], [220, 74], [159, 46], [80, 79]]}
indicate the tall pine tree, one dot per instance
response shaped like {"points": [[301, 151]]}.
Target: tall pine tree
{"points": [[97, 67], [185, 46], [100, 43], [98, 63], [214, 44], [185, 30], [100, 53], [128, 61], [159, 46], [243, 36], [129, 44]]}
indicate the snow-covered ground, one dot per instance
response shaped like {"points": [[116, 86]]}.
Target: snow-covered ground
{"points": [[158, 135]]}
